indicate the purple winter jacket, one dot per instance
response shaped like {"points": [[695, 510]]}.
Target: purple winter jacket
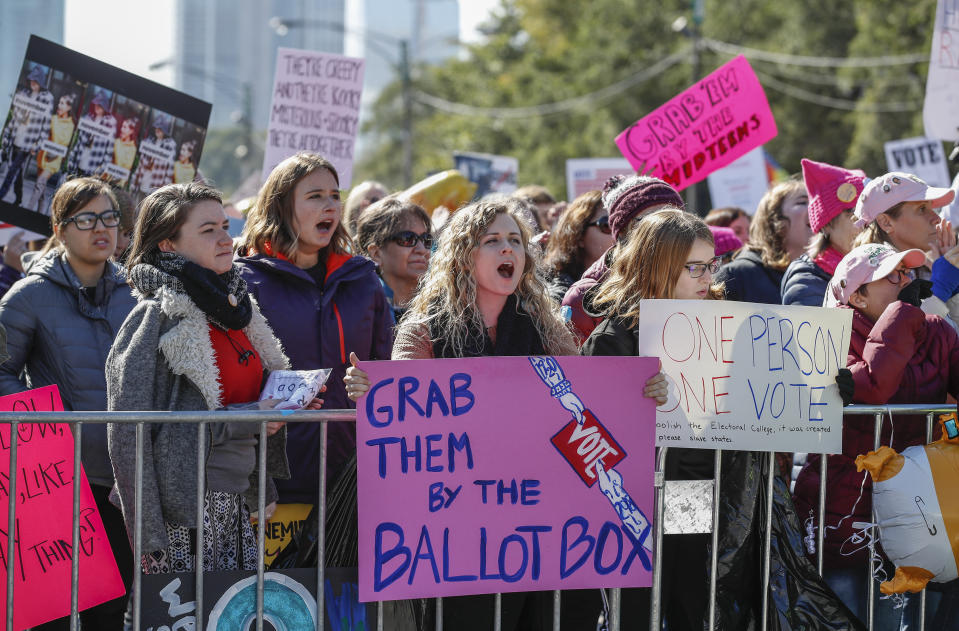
{"points": [[318, 328]]}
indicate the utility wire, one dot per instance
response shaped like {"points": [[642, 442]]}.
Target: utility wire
{"points": [[828, 101], [814, 62], [560, 107]]}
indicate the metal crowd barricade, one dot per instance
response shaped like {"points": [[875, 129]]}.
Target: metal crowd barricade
{"points": [[878, 412], [200, 418]]}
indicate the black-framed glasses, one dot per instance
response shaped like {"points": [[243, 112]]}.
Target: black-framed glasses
{"points": [[696, 270], [602, 223], [88, 221], [895, 277], [408, 239]]}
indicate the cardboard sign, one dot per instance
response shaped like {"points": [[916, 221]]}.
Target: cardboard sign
{"points": [[709, 125], [72, 115], [315, 108], [229, 601], [590, 174], [490, 173], [282, 526], [749, 377], [920, 156], [43, 529], [940, 111], [504, 474], [741, 184]]}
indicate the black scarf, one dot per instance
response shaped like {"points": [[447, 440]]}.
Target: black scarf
{"points": [[516, 335], [222, 298]]}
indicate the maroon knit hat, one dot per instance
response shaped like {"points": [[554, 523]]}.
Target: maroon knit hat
{"points": [[624, 197]]}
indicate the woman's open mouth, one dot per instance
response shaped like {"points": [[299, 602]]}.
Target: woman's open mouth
{"points": [[325, 226], [505, 270]]}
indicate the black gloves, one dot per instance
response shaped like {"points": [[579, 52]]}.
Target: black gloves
{"points": [[915, 292], [847, 387]]}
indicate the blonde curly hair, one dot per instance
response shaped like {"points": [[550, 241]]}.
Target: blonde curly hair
{"points": [[446, 298]]}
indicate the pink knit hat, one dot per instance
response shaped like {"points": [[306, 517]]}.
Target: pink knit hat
{"points": [[725, 240], [865, 264], [831, 190], [894, 188], [625, 197]]}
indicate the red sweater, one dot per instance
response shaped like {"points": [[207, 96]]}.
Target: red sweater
{"points": [[241, 382]]}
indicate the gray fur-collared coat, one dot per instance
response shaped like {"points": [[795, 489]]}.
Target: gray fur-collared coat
{"points": [[163, 359]]}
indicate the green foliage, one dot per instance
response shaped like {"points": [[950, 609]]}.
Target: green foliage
{"points": [[219, 162], [543, 51]]}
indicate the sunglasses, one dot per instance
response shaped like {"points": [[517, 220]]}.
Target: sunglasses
{"points": [[408, 239], [88, 221], [602, 223], [698, 269]]}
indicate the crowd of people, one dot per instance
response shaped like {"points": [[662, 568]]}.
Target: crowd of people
{"points": [[168, 312]]}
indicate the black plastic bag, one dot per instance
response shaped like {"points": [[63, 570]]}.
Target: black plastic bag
{"points": [[799, 598]]}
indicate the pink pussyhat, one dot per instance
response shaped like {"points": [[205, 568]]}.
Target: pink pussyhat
{"points": [[894, 188], [831, 190], [725, 240], [865, 264]]}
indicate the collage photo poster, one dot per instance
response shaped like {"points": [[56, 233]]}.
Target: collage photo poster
{"points": [[73, 116]]}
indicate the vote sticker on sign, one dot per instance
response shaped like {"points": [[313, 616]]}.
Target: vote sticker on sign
{"points": [[296, 388], [583, 444]]}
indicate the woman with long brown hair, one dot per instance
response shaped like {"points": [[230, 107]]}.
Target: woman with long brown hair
{"points": [[582, 236], [322, 302], [778, 234]]}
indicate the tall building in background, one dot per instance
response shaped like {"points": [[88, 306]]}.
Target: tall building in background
{"points": [[18, 20], [375, 28], [225, 50]]}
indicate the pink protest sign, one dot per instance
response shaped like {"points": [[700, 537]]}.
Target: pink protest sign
{"points": [[43, 529], [704, 128], [504, 474]]}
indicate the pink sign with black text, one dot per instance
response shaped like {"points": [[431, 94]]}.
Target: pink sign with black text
{"points": [[707, 126], [504, 474]]}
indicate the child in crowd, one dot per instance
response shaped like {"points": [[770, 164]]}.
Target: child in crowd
{"points": [[833, 192], [898, 354]]}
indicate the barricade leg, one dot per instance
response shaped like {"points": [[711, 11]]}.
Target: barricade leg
{"points": [[200, 505], [498, 612], [655, 596], [321, 543], [714, 553], [138, 528], [767, 539], [439, 614], [261, 527], [557, 609], [821, 530], [75, 521], [930, 419], [871, 589], [12, 521], [615, 606]]}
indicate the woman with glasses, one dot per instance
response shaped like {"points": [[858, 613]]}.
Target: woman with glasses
{"points": [[582, 235], [322, 302], [61, 320], [395, 234], [670, 254]]}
